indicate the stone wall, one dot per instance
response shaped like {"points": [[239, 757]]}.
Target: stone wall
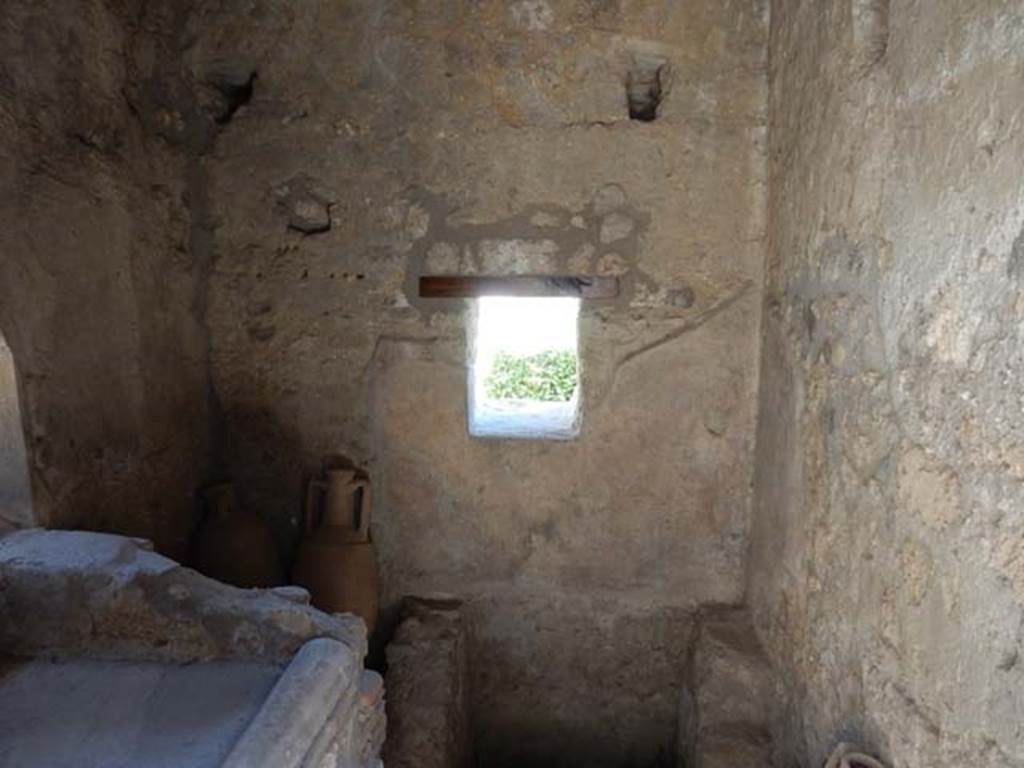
{"points": [[387, 140], [886, 569], [100, 279]]}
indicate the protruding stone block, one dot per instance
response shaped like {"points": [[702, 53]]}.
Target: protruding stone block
{"points": [[428, 719], [724, 712], [73, 593]]}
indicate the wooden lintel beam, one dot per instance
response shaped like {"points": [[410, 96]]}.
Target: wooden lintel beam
{"points": [[471, 287]]}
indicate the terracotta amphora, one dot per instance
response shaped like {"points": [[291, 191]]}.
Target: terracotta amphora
{"points": [[236, 546], [337, 561]]}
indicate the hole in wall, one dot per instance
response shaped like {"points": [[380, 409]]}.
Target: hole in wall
{"points": [[646, 87], [235, 91], [15, 489], [524, 370]]}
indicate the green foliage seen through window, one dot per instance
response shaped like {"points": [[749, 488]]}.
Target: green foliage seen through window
{"points": [[548, 376]]}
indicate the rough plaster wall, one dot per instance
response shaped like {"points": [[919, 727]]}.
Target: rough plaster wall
{"points": [[886, 550], [440, 137], [15, 489], [97, 286]]}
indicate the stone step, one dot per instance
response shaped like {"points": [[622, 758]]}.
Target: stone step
{"points": [[731, 677], [725, 705]]}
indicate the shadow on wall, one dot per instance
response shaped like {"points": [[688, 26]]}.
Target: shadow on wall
{"points": [[270, 468], [15, 489]]}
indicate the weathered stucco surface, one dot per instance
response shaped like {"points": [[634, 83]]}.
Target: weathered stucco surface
{"points": [[886, 551], [388, 140], [99, 279]]}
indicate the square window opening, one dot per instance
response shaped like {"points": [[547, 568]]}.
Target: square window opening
{"points": [[524, 368]]}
